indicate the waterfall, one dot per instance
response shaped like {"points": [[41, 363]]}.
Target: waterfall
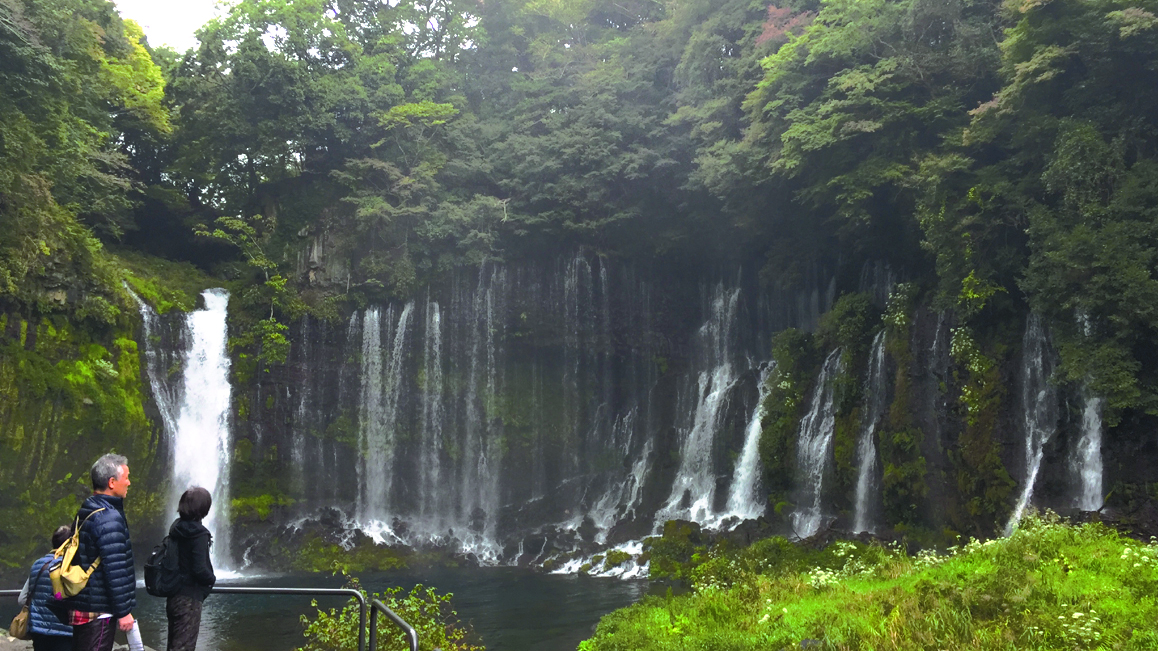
{"points": [[371, 476], [199, 434], [430, 464], [479, 498], [814, 448], [529, 397], [625, 488], [1086, 458], [1088, 455], [693, 493], [876, 396], [381, 385], [165, 397], [743, 501], [1039, 408]]}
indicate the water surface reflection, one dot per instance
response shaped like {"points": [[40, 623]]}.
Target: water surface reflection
{"points": [[510, 609]]}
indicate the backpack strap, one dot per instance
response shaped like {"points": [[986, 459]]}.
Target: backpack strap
{"points": [[74, 539]]}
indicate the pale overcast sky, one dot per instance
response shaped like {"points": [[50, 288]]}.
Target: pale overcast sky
{"points": [[169, 22]]}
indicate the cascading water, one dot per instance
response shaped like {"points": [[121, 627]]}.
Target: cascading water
{"points": [[743, 501], [814, 449], [1087, 458], [693, 493], [382, 384], [1039, 408], [200, 438], [479, 486], [876, 395], [623, 494], [166, 398], [525, 399], [430, 467]]}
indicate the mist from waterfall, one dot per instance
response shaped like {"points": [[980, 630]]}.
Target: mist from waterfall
{"points": [[1039, 408], [814, 449], [875, 401]]}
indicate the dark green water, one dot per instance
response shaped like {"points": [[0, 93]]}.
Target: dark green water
{"points": [[510, 609]]}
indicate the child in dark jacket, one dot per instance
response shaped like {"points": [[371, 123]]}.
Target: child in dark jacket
{"points": [[193, 539], [48, 632]]}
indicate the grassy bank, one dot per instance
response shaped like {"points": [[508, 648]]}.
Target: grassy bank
{"points": [[1049, 586]]}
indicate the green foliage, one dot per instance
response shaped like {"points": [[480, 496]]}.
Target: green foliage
{"points": [[68, 398], [258, 507], [1049, 586], [982, 480], [670, 553], [903, 486], [797, 363], [164, 284], [848, 326], [615, 558], [430, 613], [317, 555]]}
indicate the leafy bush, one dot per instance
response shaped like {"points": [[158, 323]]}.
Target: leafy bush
{"points": [[430, 613]]}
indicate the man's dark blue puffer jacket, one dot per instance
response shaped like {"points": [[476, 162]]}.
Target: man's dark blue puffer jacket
{"points": [[112, 588]]}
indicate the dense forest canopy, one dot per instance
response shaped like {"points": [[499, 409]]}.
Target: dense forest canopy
{"points": [[1001, 154]]}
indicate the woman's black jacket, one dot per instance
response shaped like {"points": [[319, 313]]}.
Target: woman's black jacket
{"points": [[193, 541]]}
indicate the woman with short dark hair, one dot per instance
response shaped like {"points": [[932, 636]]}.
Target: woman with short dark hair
{"points": [[192, 539], [48, 632]]}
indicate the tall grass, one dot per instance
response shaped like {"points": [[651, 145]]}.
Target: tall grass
{"points": [[1048, 586]]}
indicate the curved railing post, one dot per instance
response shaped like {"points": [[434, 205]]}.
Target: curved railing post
{"points": [[376, 606], [319, 592], [349, 592]]}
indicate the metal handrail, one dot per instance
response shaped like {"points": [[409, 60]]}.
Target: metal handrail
{"points": [[349, 592], [377, 606]]}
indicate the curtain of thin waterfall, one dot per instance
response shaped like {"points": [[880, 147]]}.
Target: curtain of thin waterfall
{"points": [[514, 398], [715, 374], [814, 449], [1039, 407], [876, 387]]}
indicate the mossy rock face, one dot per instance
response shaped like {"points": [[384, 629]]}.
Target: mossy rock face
{"points": [[258, 507], [796, 366], [671, 552], [614, 559], [71, 391]]}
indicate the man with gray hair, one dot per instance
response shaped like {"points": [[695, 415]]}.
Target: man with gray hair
{"points": [[108, 600]]}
